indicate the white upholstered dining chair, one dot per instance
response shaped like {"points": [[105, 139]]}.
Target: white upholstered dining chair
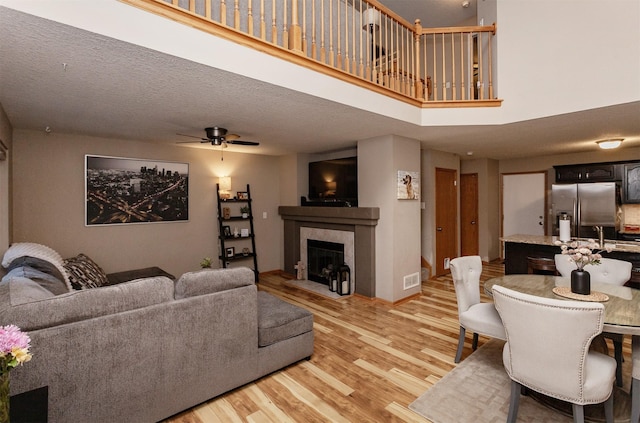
{"points": [[473, 315], [547, 351], [611, 271]]}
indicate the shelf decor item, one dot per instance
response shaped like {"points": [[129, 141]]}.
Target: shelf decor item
{"points": [[242, 195], [14, 350]]}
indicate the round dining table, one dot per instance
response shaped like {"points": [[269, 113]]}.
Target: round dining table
{"points": [[621, 304]]}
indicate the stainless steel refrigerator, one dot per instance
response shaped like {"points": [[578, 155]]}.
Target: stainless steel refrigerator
{"points": [[586, 205]]}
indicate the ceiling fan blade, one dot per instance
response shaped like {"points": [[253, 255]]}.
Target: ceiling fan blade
{"points": [[193, 136], [192, 142], [231, 137], [239, 142]]}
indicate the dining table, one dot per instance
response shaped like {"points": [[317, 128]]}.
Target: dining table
{"points": [[621, 306]]}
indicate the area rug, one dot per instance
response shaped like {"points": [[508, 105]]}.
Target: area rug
{"points": [[478, 390]]}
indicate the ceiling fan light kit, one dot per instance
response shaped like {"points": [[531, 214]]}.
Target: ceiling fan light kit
{"points": [[218, 136]]}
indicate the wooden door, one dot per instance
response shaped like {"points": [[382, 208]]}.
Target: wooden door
{"points": [[524, 203], [469, 237], [446, 219]]}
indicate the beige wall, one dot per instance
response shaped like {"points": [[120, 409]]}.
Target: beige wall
{"points": [[49, 203]]}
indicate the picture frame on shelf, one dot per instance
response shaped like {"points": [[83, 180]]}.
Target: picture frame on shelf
{"points": [[226, 231], [242, 195], [244, 232], [226, 212], [230, 252]]}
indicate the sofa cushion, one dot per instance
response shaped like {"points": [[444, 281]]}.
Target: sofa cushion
{"points": [[208, 281], [39, 251], [80, 305], [84, 273], [279, 320], [54, 285]]}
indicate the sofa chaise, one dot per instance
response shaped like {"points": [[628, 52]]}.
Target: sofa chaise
{"points": [[146, 349]]}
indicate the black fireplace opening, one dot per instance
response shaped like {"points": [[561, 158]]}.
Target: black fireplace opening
{"points": [[322, 256]]}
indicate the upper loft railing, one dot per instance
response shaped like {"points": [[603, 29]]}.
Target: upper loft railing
{"points": [[360, 41]]}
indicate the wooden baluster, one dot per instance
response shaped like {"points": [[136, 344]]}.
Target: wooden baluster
{"points": [[323, 53], [385, 73], [361, 64], [444, 70], [367, 52], [454, 94], [463, 92], [379, 50], [175, 3], [285, 26], [339, 41], [304, 27], [331, 63], [223, 12], [207, 9], [192, 6], [347, 62], [295, 32], [407, 68], [314, 52], [480, 65], [250, 18], [435, 73], [274, 28], [236, 15], [354, 68], [263, 24], [490, 37]]}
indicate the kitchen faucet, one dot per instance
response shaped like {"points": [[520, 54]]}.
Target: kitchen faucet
{"points": [[600, 232]]}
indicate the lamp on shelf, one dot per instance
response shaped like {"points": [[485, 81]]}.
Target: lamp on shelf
{"points": [[224, 182], [371, 21], [610, 143]]}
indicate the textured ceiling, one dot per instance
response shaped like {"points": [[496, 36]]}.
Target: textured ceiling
{"points": [[110, 88]]}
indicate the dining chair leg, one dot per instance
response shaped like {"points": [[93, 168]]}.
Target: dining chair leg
{"points": [[635, 400], [474, 345], [578, 413], [608, 409], [460, 345], [514, 402], [617, 353]]}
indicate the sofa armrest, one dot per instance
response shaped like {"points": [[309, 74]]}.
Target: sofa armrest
{"points": [[208, 281], [130, 275]]}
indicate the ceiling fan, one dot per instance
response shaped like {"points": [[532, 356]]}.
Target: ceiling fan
{"points": [[219, 137]]}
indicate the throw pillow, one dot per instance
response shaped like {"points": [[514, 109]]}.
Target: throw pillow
{"points": [[84, 273], [39, 251]]}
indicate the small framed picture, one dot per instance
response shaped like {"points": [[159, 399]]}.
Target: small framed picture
{"points": [[230, 251], [226, 231], [242, 195], [226, 212], [244, 232]]}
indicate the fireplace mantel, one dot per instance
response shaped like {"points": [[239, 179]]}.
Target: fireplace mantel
{"points": [[359, 220]]}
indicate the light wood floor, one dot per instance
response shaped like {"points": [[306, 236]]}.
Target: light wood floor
{"points": [[370, 362]]}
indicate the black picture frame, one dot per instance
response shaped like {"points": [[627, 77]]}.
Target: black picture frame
{"points": [[120, 190], [242, 195], [226, 231], [230, 252]]}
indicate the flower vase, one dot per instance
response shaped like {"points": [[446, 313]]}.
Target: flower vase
{"points": [[4, 397], [580, 282]]}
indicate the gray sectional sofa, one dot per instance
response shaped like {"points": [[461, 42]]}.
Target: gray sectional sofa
{"points": [[144, 350]]}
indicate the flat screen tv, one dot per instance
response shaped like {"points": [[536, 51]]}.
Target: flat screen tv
{"points": [[334, 181]]}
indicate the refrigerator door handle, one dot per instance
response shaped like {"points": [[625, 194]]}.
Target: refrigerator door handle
{"points": [[578, 219]]}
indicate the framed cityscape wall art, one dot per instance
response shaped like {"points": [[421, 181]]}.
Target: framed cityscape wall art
{"points": [[121, 190]]}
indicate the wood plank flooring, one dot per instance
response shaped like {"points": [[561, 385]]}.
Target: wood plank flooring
{"points": [[371, 360]]}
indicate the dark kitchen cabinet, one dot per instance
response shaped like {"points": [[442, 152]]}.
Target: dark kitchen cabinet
{"points": [[596, 172], [631, 183]]}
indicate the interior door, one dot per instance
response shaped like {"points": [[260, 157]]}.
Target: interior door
{"points": [[446, 219], [469, 237], [523, 203]]}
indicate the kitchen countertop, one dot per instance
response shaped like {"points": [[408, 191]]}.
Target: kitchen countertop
{"points": [[619, 245]]}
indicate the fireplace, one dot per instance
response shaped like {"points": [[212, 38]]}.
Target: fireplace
{"points": [[323, 257], [342, 242]]}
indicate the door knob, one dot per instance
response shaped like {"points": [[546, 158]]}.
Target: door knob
{"points": [[473, 222], [439, 229]]}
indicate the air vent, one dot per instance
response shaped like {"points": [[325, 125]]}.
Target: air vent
{"points": [[411, 281]]}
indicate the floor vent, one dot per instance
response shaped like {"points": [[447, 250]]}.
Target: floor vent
{"points": [[412, 280]]}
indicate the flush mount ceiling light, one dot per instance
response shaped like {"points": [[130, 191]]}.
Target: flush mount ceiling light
{"points": [[610, 143]]}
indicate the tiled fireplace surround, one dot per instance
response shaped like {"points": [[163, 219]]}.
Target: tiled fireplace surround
{"points": [[361, 221]]}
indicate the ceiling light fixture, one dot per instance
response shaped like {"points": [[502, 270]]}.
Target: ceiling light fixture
{"points": [[610, 143]]}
